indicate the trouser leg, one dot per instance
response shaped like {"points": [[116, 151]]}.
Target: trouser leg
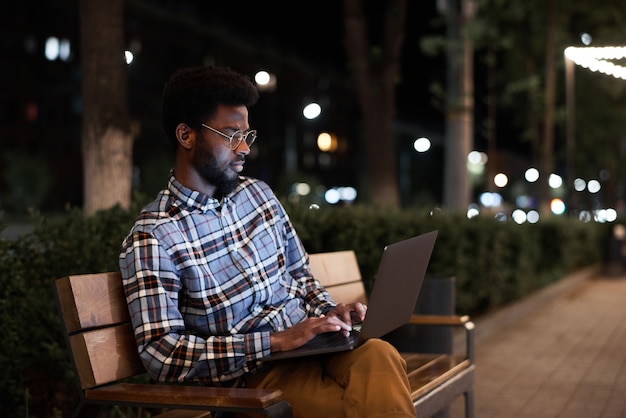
{"points": [[370, 381], [304, 386], [375, 381]]}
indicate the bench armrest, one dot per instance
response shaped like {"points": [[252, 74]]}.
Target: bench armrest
{"points": [[450, 320], [439, 320]]}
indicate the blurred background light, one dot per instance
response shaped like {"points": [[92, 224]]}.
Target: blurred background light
{"points": [[472, 211], [585, 38], [500, 217], [532, 216], [611, 215], [52, 48], [327, 142], [65, 51], [489, 199], [312, 110], [421, 144], [557, 206], [518, 216], [584, 216], [337, 194], [265, 81], [347, 194], [598, 59], [579, 184], [555, 181], [531, 175], [500, 180], [332, 196], [262, 78], [477, 157], [302, 189], [593, 186]]}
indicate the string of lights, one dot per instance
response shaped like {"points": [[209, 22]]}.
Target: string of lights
{"points": [[599, 59]]}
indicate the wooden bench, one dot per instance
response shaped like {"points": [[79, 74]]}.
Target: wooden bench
{"points": [[104, 354]]}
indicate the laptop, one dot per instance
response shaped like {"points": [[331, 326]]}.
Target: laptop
{"points": [[392, 301]]}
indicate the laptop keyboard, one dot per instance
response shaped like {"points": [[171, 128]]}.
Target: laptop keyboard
{"points": [[333, 339]]}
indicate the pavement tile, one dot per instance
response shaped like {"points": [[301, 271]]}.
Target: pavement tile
{"points": [[563, 355]]}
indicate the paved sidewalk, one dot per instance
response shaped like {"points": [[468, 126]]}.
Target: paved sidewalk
{"points": [[561, 354]]}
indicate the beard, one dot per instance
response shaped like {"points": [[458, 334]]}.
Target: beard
{"points": [[208, 167]]}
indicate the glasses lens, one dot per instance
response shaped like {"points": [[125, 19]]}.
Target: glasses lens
{"points": [[236, 139], [250, 137]]}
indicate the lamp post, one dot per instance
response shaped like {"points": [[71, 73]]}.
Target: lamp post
{"points": [[570, 129]]}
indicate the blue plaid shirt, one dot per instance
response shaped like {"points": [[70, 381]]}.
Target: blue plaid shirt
{"points": [[206, 281]]}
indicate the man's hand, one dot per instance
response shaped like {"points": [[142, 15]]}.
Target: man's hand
{"points": [[340, 319], [352, 313], [304, 331]]}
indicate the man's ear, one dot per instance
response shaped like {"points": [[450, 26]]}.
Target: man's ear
{"points": [[184, 135]]}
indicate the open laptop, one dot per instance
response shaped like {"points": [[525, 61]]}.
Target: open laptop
{"points": [[398, 282]]}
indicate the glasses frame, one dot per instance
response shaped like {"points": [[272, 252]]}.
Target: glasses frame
{"points": [[231, 138]]}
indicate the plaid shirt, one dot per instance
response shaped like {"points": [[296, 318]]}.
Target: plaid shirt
{"points": [[207, 281]]}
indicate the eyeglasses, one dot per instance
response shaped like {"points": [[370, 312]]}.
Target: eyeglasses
{"points": [[235, 139]]}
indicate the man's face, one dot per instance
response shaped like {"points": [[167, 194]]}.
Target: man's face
{"points": [[212, 158]]}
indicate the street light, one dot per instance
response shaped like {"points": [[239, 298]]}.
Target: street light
{"points": [[595, 59], [599, 59]]}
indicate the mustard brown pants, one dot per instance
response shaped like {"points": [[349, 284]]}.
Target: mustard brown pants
{"points": [[368, 382]]}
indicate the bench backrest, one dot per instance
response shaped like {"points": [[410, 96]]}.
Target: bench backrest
{"points": [[98, 329], [339, 273]]}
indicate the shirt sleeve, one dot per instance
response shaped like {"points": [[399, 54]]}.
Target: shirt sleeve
{"points": [[168, 350]]}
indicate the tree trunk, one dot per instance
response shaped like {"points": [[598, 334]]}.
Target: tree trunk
{"points": [[459, 104], [547, 165], [375, 84], [106, 135]]}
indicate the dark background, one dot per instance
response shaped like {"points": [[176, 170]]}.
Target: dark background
{"points": [[300, 42]]}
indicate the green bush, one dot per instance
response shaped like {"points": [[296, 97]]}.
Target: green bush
{"points": [[37, 379], [493, 263]]}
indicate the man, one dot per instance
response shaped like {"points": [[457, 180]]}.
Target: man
{"points": [[216, 277]]}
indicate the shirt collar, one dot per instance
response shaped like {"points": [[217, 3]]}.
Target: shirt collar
{"points": [[191, 198]]}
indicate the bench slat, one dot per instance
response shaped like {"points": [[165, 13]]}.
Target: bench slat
{"points": [[96, 351], [335, 267], [184, 396], [184, 413], [427, 372], [353, 292], [339, 273], [420, 387], [92, 300]]}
